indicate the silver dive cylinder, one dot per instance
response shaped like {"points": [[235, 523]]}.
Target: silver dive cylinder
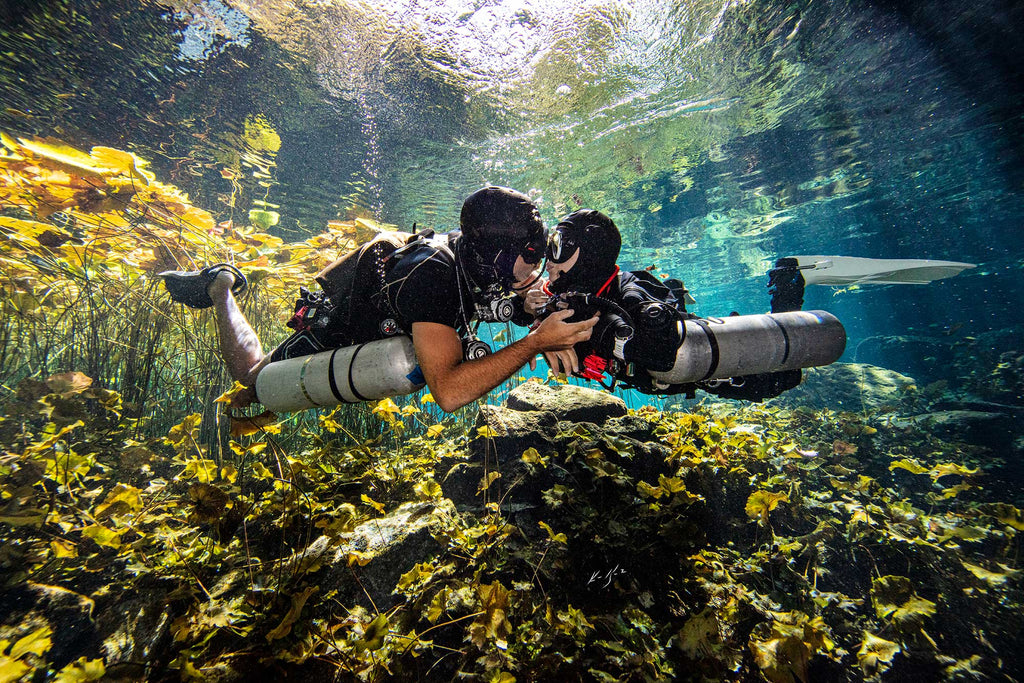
{"points": [[734, 346], [364, 372]]}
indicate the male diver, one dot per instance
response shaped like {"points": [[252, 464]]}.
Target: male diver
{"points": [[639, 329], [431, 288]]}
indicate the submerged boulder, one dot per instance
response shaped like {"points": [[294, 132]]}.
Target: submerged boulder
{"points": [[507, 460], [568, 402], [850, 387], [988, 429], [927, 359]]}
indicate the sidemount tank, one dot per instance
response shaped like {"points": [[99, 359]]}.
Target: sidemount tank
{"points": [[717, 348], [364, 372]]}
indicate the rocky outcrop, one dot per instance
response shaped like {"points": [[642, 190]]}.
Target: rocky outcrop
{"points": [[926, 359], [849, 386], [550, 420]]}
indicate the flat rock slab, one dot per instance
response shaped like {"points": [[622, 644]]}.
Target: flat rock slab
{"points": [[568, 402]]}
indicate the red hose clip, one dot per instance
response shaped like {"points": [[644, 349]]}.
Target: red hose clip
{"points": [[593, 367], [298, 321]]}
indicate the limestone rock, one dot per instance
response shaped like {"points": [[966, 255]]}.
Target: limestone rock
{"points": [[569, 402], [992, 430], [848, 386], [927, 359]]}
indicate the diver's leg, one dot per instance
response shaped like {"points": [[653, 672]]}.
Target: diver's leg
{"points": [[239, 346]]}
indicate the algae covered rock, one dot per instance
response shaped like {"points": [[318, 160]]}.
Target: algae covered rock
{"points": [[927, 359], [850, 387], [572, 403]]}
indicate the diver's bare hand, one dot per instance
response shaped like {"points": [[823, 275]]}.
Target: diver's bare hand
{"points": [[562, 362], [554, 334]]}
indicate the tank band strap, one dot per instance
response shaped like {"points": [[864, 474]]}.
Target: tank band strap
{"points": [[351, 381], [302, 380], [333, 380], [785, 337], [713, 342]]}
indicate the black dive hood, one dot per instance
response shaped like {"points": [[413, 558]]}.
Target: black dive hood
{"points": [[597, 239]]}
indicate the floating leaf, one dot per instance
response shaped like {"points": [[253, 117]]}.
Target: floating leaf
{"points": [[209, 503], [532, 456], [894, 597], [434, 431], [427, 398], [244, 426], [428, 489], [486, 432], [385, 409], [1005, 513], [948, 469]]}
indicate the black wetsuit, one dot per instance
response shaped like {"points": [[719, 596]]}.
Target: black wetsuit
{"points": [[386, 292]]}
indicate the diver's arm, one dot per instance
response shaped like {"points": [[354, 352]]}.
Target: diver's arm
{"points": [[454, 382]]}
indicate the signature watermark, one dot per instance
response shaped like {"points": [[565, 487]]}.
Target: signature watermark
{"points": [[600, 579]]}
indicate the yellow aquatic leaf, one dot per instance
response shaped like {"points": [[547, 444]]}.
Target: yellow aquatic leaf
{"points": [[68, 383], [949, 468], [65, 156], [244, 426], [532, 456], [428, 489], [876, 654], [122, 162], [372, 503], [760, 503], [385, 408], [1005, 513], [557, 538], [993, 578], [102, 535], [486, 432], [298, 602], [434, 431], [671, 484], [63, 549], [373, 634], [121, 499], [409, 409], [486, 482], [230, 394], [38, 643], [909, 465], [82, 670]]}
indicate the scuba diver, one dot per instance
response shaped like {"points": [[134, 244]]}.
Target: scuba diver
{"points": [[643, 321], [431, 288]]}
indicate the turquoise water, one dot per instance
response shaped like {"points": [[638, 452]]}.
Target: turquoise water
{"points": [[719, 135]]}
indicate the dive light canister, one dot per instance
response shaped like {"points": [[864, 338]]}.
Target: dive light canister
{"points": [[364, 372], [735, 346]]}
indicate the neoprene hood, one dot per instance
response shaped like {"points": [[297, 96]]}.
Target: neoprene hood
{"points": [[598, 240], [499, 225]]}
